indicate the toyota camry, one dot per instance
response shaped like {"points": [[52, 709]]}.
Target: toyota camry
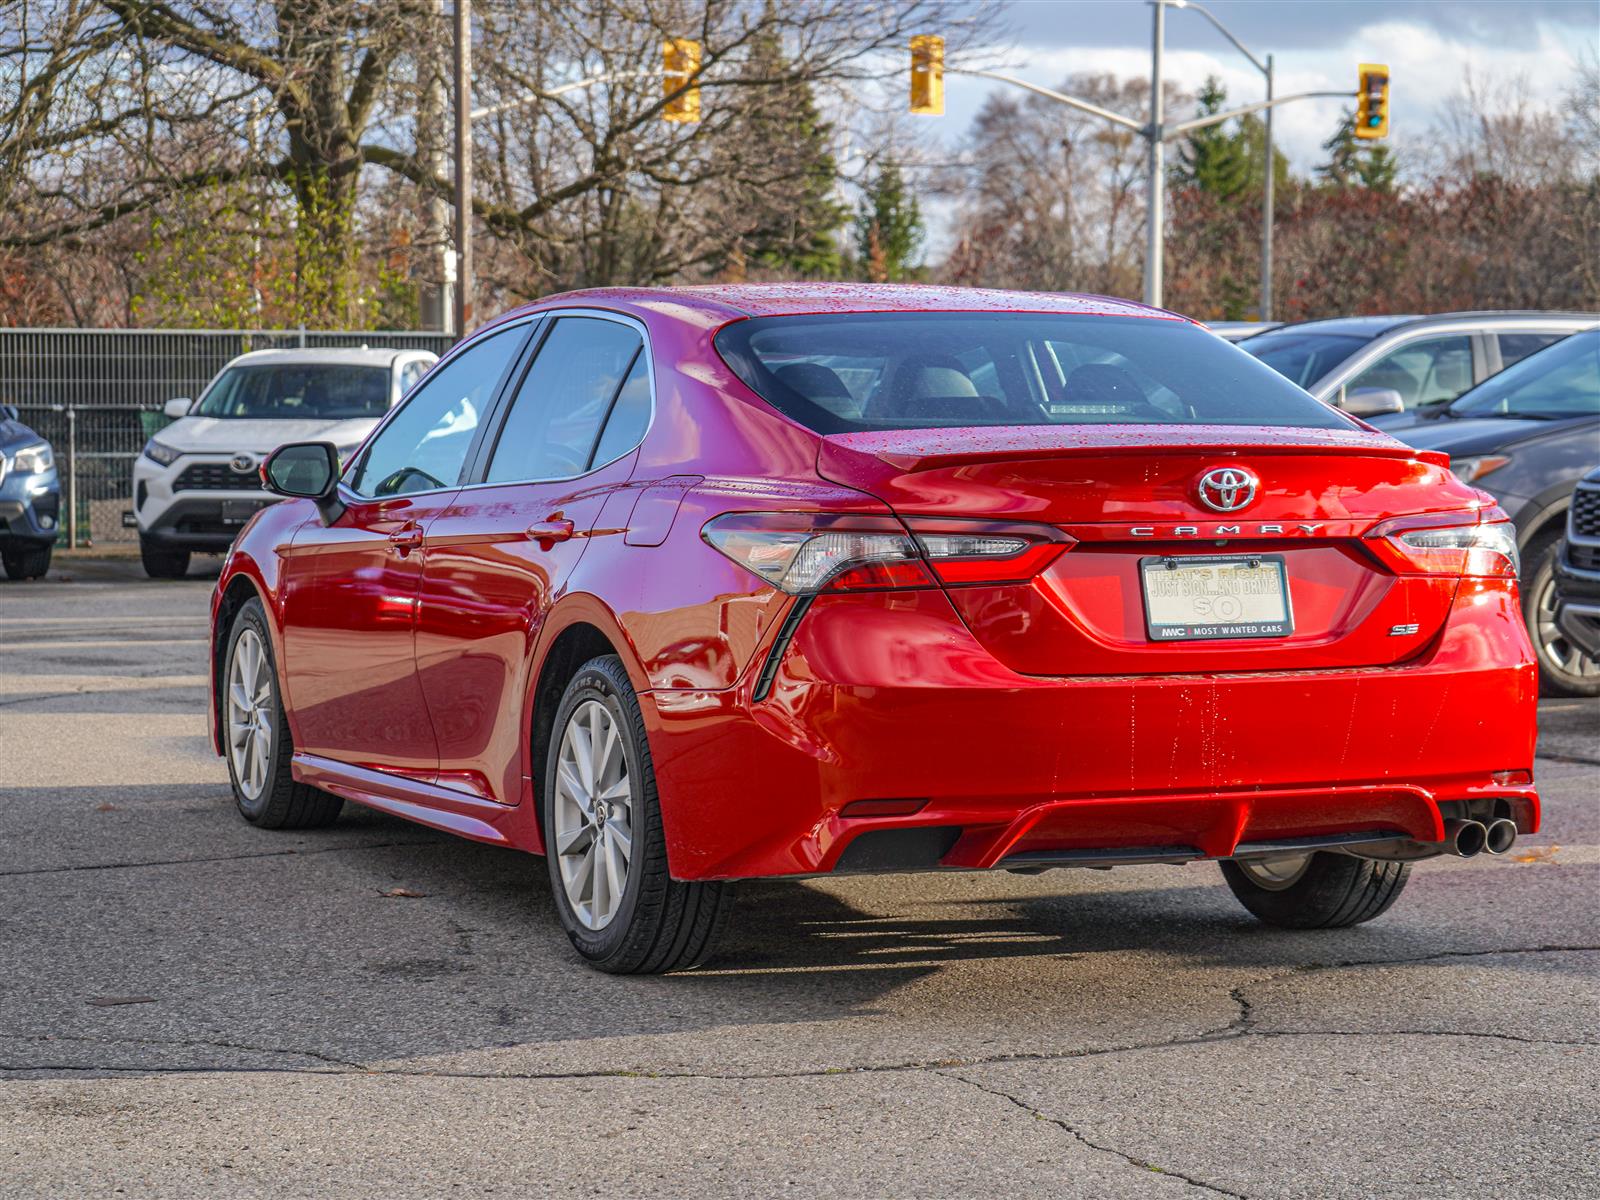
{"points": [[677, 587]]}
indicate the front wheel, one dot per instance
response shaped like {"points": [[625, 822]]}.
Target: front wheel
{"points": [[255, 735], [1318, 890], [606, 851], [1564, 669], [160, 563], [30, 563]]}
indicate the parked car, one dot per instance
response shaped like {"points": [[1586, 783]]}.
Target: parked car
{"points": [[684, 586], [197, 482], [1377, 367], [1525, 437], [30, 498], [1577, 573], [1237, 331]]}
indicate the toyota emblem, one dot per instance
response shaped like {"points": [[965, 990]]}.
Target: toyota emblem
{"points": [[1227, 489], [243, 463]]}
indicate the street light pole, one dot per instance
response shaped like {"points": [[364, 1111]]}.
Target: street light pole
{"points": [[1267, 210], [463, 213], [1155, 217]]}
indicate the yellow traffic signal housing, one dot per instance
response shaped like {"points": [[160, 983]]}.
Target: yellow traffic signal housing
{"points": [[680, 64], [927, 74], [1372, 102]]}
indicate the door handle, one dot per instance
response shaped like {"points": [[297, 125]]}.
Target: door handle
{"points": [[406, 539], [551, 530]]}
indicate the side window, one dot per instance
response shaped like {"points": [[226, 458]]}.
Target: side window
{"points": [[1423, 372], [1514, 346], [556, 415], [630, 415], [425, 445]]}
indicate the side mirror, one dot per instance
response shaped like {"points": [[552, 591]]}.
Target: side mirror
{"points": [[306, 471], [10, 412], [1373, 402], [177, 408]]}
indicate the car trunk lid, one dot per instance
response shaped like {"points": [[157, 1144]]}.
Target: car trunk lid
{"points": [[1129, 495]]}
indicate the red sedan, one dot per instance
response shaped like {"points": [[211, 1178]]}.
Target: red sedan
{"points": [[681, 586]]}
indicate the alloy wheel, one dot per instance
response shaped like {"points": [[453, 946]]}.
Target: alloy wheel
{"points": [[1558, 651], [593, 809], [1277, 872], [250, 713]]}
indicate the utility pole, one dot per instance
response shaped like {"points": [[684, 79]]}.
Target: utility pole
{"points": [[1270, 166], [1155, 216], [436, 285], [463, 230]]}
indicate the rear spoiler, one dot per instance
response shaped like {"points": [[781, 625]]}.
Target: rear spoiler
{"points": [[910, 451]]}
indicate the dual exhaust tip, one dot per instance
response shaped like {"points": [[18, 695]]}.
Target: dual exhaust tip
{"points": [[1465, 839]]}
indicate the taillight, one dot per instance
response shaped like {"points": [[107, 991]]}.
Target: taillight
{"points": [[841, 552], [1438, 545]]}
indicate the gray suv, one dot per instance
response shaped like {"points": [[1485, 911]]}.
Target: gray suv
{"points": [[1379, 368]]}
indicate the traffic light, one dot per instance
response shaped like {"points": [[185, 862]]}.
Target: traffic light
{"points": [[1372, 102], [927, 74], [680, 63]]}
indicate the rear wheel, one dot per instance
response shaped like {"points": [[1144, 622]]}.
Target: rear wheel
{"points": [[605, 848], [161, 563], [29, 563], [255, 735], [1564, 669], [1319, 890]]}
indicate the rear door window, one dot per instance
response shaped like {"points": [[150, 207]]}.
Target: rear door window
{"points": [[553, 427], [1516, 346]]}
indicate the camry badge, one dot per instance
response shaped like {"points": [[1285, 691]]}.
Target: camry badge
{"points": [[243, 463], [1227, 489]]}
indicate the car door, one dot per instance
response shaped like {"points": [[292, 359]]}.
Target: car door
{"points": [[349, 587], [502, 550]]}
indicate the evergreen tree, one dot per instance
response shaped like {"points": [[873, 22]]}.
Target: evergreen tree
{"points": [[1355, 163], [799, 236], [1214, 158], [888, 228]]}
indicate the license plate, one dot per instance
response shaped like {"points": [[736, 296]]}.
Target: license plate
{"points": [[237, 512], [1215, 596]]}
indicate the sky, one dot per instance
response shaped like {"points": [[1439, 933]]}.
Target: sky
{"points": [[1428, 45]]}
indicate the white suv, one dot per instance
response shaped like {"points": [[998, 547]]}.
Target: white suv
{"points": [[196, 483]]}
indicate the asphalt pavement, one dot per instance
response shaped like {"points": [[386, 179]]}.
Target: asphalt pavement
{"points": [[189, 1005]]}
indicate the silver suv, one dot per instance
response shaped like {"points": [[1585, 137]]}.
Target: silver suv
{"points": [[1378, 367]]}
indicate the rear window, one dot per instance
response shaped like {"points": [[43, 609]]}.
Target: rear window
{"points": [[877, 371]]}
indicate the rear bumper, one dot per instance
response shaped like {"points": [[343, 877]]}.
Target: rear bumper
{"points": [[888, 697]]}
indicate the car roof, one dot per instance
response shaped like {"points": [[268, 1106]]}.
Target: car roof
{"points": [[1375, 326], [731, 301], [353, 356]]}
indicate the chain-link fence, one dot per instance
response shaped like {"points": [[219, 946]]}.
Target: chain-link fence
{"points": [[96, 396]]}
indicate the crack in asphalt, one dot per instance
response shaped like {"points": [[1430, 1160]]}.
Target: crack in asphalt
{"points": [[177, 862], [1077, 1135], [1241, 1026]]}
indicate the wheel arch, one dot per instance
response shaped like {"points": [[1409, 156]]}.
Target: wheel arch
{"points": [[579, 629], [238, 591]]}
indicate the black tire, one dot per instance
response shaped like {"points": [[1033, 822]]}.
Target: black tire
{"points": [[660, 924], [1564, 669], [1332, 892], [161, 563], [281, 803], [26, 563]]}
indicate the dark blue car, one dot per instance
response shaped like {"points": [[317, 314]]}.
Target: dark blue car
{"points": [[1526, 436], [30, 498]]}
